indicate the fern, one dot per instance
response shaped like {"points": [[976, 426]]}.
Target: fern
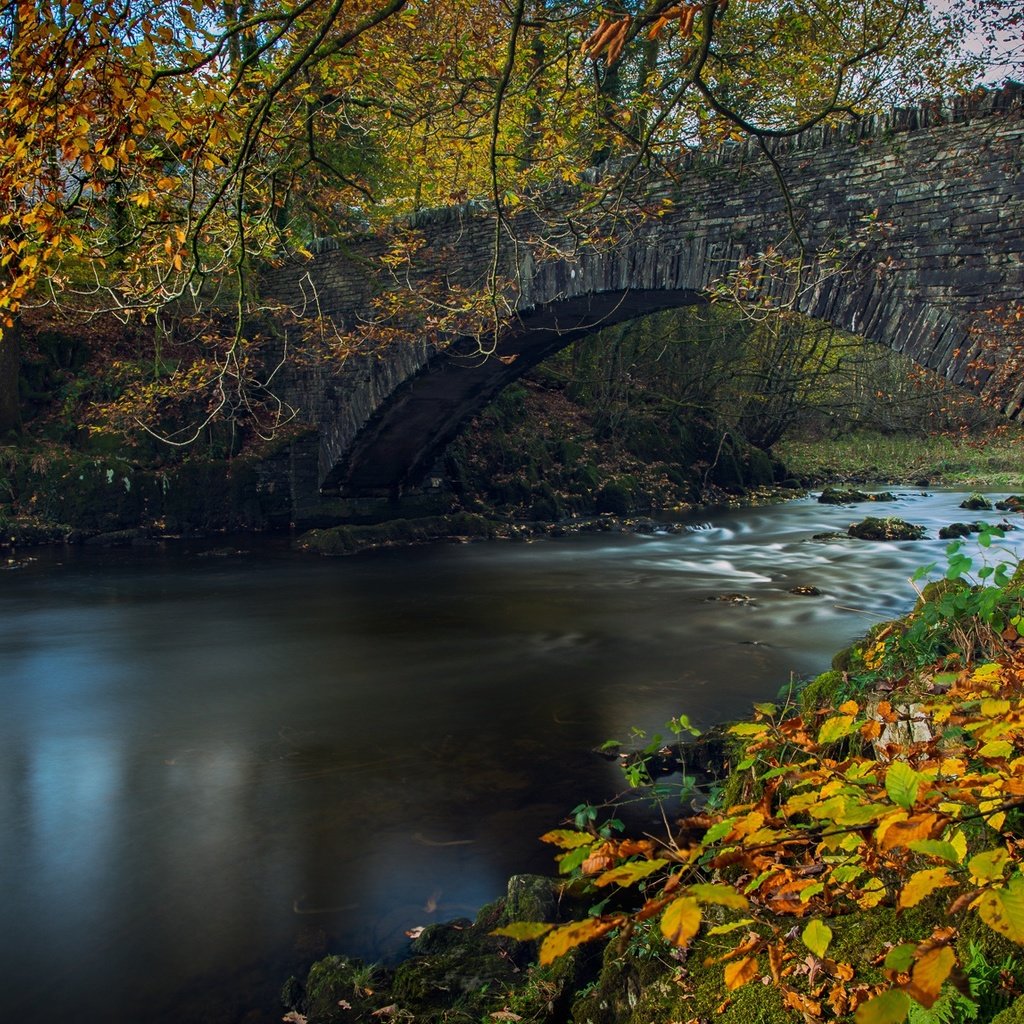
{"points": [[989, 992], [950, 1008]]}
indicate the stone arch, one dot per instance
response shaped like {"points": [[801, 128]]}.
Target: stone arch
{"points": [[918, 216]]}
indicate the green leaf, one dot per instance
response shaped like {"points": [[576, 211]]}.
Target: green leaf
{"points": [[756, 883], [569, 862], [996, 749], [936, 848], [748, 729], [836, 728], [901, 784], [1002, 909], [681, 724], [888, 1008], [732, 926], [811, 891], [816, 937], [899, 958], [718, 831]]}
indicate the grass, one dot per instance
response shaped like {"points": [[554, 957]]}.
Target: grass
{"points": [[995, 461]]}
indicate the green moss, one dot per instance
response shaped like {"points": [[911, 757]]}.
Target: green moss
{"points": [[1013, 1014], [872, 528], [976, 503], [938, 589], [821, 692]]}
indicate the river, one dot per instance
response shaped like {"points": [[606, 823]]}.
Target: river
{"points": [[216, 767]]}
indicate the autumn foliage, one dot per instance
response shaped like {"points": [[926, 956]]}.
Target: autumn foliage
{"points": [[891, 799]]}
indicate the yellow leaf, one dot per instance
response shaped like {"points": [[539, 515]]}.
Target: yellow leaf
{"points": [[628, 874], [872, 893], [723, 895], [996, 749], [107, 163], [929, 974], [959, 843], [739, 972], [681, 920], [994, 708], [567, 936], [567, 839], [988, 866], [816, 937], [922, 884]]}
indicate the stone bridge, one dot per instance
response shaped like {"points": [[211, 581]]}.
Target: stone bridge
{"points": [[916, 221]]}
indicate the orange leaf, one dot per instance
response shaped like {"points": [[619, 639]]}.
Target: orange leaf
{"points": [[918, 826], [928, 975], [739, 972]]}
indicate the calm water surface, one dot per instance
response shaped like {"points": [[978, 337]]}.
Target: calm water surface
{"points": [[214, 769]]}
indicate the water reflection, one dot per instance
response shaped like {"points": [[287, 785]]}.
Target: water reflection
{"points": [[211, 770]]}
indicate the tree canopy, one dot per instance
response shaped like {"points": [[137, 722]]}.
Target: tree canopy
{"points": [[155, 154]]}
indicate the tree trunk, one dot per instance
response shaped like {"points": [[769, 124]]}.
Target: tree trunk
{"points": [[10, 363]]}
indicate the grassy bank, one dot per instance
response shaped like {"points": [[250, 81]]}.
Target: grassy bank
{"points": [[993, 461]]}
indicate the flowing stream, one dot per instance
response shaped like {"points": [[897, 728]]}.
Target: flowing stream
{"points": [[215, 768]]}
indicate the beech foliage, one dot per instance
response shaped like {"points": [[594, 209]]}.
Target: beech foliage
{"points": [[911, 792], [156, 156]]}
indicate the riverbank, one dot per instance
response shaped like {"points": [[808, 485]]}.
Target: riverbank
{"points": [[846, 830], [992, 461]]}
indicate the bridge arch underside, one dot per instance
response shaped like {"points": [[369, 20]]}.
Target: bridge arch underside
{"points": [[412, 424], [403, 439]]}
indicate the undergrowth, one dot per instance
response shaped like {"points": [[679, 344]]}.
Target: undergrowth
{"points": [[906, 795]]}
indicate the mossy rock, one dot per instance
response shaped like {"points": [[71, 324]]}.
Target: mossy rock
{"points": [[821, 692], [1014, 503], [956, 530], [938, 589], [976, 503], [888, 529], [851, 496], [346, 540], [615, 498], [837, 496], [532, 898], [331, 981]]}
